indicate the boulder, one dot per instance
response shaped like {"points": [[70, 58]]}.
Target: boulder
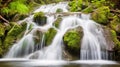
{"points": [[49, 35], [57, 22], [59, 10], [38, 36], [72, 40], [40, 18]]}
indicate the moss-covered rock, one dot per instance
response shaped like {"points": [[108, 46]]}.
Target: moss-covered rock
{"points": [[49, 35], [114, 37], [115, 24], [11, 33], [40, 18], [101, 14], [57, 22], [72, 40], [59, 10], [117, 45]]}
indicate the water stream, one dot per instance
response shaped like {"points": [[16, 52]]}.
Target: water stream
{"points": [[93, 45]]}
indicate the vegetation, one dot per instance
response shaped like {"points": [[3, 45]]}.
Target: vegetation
{"points": [[72, 40], [104, 12], [40, 18], [101, 15], [49, 35], [9, 35], [14, 10], [57, 22]]}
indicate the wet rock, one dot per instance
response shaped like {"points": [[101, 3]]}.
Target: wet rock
{"points": [[40, 18], [116, 45], [59, 10], [101, 14], [108, 38], [38, 35], [72, 41], [57, 22], [49, 35]]}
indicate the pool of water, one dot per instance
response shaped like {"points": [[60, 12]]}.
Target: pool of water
{"points": [[52, 63]]}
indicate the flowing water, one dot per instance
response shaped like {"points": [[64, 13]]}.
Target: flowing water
{"points": [[93, 45]]}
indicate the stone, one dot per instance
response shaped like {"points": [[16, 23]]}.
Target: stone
{"points": [[40, 18], [72, 40], [49, 35], [59, 10], [57, 22]]}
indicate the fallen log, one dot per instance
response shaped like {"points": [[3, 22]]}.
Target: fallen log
{"points": [[64, 13]]}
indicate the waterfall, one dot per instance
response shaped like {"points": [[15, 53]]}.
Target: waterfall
{"points": [[93, 45]]}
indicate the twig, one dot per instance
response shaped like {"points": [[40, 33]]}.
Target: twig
{"points": [[4, 19]]}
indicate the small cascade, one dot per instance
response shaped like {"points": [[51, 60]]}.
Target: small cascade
{"points": [[27, 45], [93, 45]]}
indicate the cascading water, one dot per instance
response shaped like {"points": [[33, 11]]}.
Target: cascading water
{"points": [[93, 46]]}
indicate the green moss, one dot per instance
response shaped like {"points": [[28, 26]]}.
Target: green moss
{"points": [[59, 10], [40, 14], [1, 52], [2, 29], [98, 3], [49, 35], [72, 39], [16, 29], [10, 34], [75, 6], [101, 15], [89, 9], [115, 24], [40, 18], [13, 34], [57, 22], [114, 37]]}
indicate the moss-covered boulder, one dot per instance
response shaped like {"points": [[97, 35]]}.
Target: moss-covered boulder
{"points": [[115, 24], [57, 22], [10, 34], [49, 35], [117, 45], [59, 10], [72, 41], [40, 18], [101, 14]]}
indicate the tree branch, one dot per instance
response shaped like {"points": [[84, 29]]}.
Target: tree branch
{"points": [[4, 19]]}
